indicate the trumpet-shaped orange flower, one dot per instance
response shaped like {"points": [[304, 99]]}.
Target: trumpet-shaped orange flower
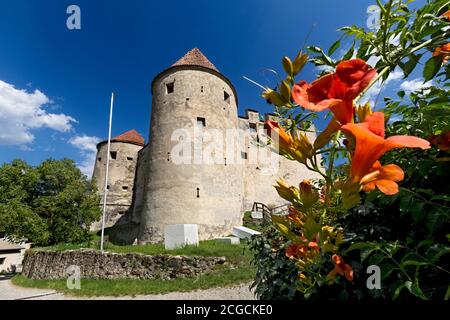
{"points": [[335, 91], [383, 177], [446, 14], [341, 268], [442, 141], [281, 137], [295, 146], [370, 145], [300, 251], [443, 51]]}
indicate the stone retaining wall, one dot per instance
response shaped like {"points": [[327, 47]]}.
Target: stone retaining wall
{"points": [[52, 265]]}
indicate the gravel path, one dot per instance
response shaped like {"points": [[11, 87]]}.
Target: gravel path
{"points": [[8, 291]]}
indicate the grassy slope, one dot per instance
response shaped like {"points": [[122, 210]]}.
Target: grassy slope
{"points": [[237, 255]]}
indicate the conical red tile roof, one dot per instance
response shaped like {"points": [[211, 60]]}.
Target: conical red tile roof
{"points": [[195, 58], [131, 136]]}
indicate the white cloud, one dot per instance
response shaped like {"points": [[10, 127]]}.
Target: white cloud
{"points": [[415, 85], [325, 68], [22, 111], [372, 94], [85, 143], [88, 149]]}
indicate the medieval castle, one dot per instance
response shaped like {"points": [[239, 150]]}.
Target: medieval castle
{"points": [[149, 187]]}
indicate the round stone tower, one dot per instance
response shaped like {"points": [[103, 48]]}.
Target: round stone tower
{"points": [[122, 168], [191, 177]]}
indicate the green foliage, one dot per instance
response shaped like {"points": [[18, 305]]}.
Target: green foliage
{"points": [[47, 204], [276, 276], [402, 39], [408, 231], [406, 234]]}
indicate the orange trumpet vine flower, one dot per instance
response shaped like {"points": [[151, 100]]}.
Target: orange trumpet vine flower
{"points": [[442, 141], [277, 133], [341, 268], [370, 146], [295, 146], [443, 51], [335, 91]]}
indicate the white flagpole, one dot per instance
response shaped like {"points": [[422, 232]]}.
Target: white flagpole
{"points": [[107, 172]]}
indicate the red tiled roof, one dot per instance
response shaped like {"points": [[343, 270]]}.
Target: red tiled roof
{"points": [[195, 58], [130, 136]]}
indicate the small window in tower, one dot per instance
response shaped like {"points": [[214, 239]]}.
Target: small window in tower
{"points": [[125, 188], [226, 97], [122, 213], [201, 122], [107, 187], [2, 261], [198, 192], [168, 156], [170, 87], [113, 155], [252, 127], [99, 159], [130, 158], [201, 89], [244, 155], [225, 161]]}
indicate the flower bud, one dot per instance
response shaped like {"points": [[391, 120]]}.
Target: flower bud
{"points": [[308, 195]]}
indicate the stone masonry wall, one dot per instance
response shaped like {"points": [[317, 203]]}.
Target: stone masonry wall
{"points": [[52, 265], [120, 181]]}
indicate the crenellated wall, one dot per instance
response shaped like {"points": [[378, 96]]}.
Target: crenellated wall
{"points": [[260, 176]]}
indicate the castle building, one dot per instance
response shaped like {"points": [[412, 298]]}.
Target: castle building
{"points": [[203, 164]]}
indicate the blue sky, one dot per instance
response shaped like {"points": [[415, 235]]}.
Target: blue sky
{"points": [[122, 46]]}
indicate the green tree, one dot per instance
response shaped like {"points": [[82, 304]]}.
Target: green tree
{"points": [[51, 203]]}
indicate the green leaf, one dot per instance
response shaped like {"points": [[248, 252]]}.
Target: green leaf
{"points": [[447, 294], [314, 49], [414, 288], [361, 246], [413, 263], [377, 258], [387, 269], [349, 53], [334, 47], [399, 289], [432, 67], [310, 228], [410, 65], [366, 253]]}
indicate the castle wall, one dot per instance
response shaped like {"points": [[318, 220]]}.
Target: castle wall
{"points": [[121, 179], [190, 192], [260, 176]]}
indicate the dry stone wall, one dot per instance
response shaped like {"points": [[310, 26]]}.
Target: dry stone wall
{"points": [[52, 265]]}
